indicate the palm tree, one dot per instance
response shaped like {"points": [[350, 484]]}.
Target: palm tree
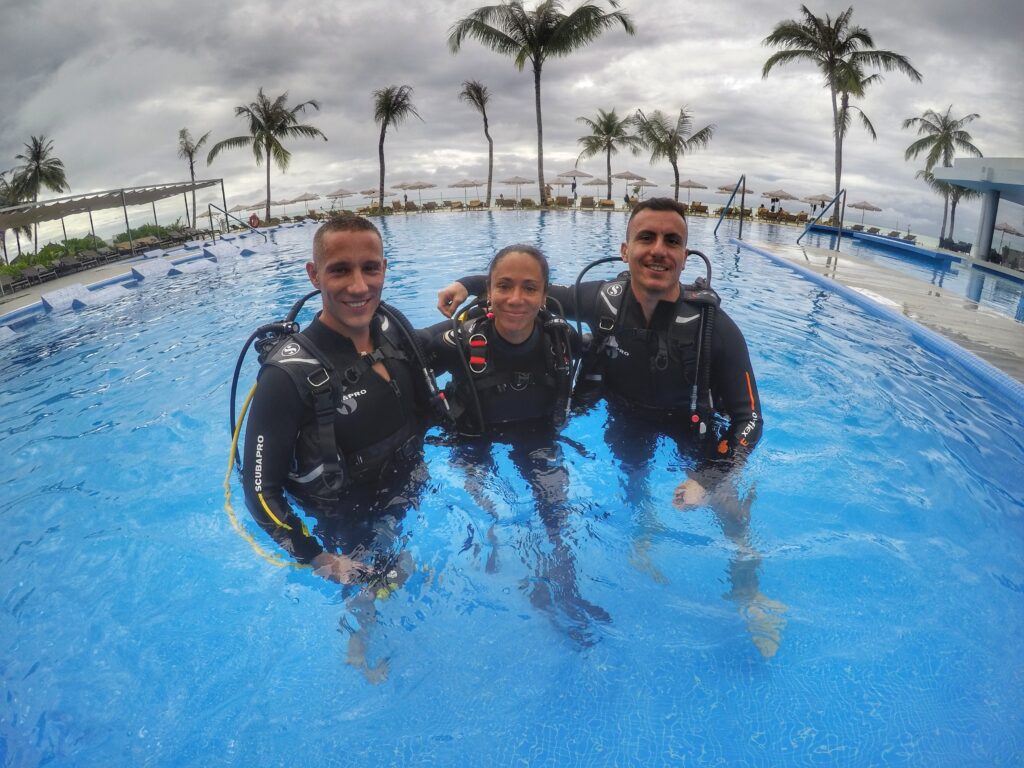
{"points": [[269, 122], [836, 47], [187, 150], [608, 133], [40, 171], [391, 106], [670, 141], [941, 136], [475, 93], [534, 36], [9, 195]]}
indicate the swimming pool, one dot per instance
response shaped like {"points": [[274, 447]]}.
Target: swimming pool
{"points": [[883, 553]]}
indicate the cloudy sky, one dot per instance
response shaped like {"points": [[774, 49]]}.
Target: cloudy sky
{"points": [[112, 81]]}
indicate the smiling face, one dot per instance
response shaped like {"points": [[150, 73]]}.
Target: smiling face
{"points": [[516, 292], [349, 271], [655, 250]]}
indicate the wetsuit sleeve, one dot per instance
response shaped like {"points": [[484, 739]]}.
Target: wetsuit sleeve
{"points": [[566, 296], [475, 284], [734, 386], [441, 356], [275, 416]]}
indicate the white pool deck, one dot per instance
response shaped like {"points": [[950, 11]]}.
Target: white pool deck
{"points": [[995, 338]]}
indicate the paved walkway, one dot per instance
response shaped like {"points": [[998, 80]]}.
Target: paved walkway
{"points": [[995, 338]]}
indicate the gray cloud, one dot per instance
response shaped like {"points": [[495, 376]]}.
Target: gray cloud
{"points": [[112, 81]]}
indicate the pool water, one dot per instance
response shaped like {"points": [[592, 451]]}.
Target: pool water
{"points": [[869, 613]]}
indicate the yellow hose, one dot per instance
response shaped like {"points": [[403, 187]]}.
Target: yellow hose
{"points": [[273, 559]]}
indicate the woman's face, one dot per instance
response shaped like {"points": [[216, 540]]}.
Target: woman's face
{"points": [[516, 292]]}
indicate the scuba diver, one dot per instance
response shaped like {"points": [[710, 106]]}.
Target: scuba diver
{"points": [[337, 418], [511, 361]]}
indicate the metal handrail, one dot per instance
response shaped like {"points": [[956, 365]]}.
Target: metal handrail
{"points": [[816, 219], [227, 216], [741, 186]]}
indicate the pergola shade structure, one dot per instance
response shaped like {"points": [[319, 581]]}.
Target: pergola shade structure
{"points": [[27, 214]]}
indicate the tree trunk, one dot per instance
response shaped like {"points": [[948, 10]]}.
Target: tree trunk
{"points": [[837, 134], [380, 155], [192, 171], [540, 131], [17, 239], [952, 215], [490, 158], [6, 260], [945, 213], [267, 222], [609, 169], [675, 172]]}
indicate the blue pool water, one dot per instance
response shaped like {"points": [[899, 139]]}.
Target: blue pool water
{"points": [[869, 614]]}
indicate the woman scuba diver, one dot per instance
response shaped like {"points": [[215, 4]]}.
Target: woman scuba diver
{"points": [[511, 361]]}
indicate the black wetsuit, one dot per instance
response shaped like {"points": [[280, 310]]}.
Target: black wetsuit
{"points": [[378, 429], [518, 384], [664, 395]]}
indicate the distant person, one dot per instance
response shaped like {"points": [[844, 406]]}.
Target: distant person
{"points": [[574, 188]]}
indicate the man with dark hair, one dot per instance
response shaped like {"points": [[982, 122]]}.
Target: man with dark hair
{"points": [[339, 410]]}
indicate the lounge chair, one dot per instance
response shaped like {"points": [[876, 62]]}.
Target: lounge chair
{"points": [[857, 228], [698, 208], [562, 201], [457, 205], [587, 203], [475, 205], [872, 231], [527, 202], [909, 238], [430, 206], [9, 284], [801, 218], [411, 206], [895, 233], [606, 205], [66, 266], [39, 274]]}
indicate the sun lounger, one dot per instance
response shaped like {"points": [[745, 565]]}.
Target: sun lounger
{"points": [[9, 284], [857, 228], [606, 205], [457, 205], [871, 231], [411, 206], [895, 233], [909, 238], [430, 206], [562, 201], [527, 202], [38, 274], [475, 205], [587, 203]]}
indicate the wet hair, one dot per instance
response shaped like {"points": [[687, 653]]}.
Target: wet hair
{"points": [[343, 222], [658, 204], [529, 250]]}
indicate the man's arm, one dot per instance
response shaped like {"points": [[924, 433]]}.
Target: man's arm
{"points": [[734, 386], [271, 430]]}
